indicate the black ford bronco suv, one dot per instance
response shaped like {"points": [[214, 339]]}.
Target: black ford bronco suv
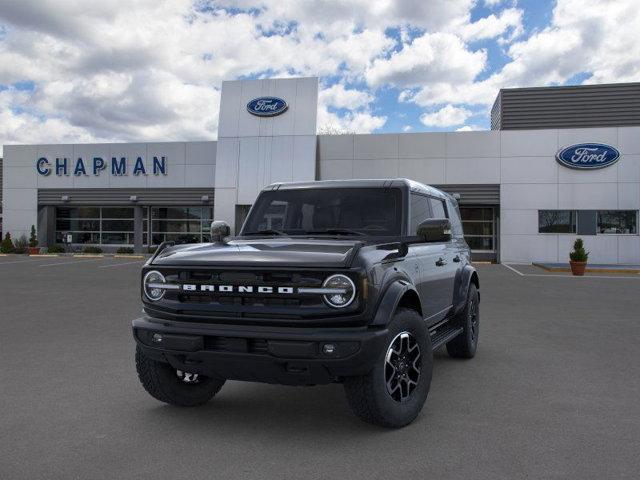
{"points": [[356, 282]]}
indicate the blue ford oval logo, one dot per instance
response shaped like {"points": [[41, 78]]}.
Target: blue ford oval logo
{"points": [[588, 156], [267, 106]]}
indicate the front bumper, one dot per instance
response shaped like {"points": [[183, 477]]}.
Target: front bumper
{"points": [[283, 355]]}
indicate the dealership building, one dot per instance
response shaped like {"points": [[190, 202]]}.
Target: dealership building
{"points": [[559, 162]]}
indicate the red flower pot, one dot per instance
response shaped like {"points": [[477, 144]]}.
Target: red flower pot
{"points": [[578, 268], [34, 250]]}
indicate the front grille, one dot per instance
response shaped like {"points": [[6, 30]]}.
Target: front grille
{"points": [[235, 304]]}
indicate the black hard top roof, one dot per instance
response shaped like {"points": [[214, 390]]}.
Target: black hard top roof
{"points": [[361, 183]]}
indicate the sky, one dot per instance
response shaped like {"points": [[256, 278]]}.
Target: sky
{"points": [[77, 71]]}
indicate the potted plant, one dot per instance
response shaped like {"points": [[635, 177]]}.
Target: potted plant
{"points": [[33, 242], [21, 245], [7, 244], [578, 258]]}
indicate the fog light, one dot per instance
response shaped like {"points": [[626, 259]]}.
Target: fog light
{"points": [[157, 338], [328, 348]]}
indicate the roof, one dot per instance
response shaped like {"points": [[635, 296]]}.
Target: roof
{"points": [[360, 183]]}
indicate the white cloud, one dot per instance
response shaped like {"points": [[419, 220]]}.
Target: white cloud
{"points": [[351, 122], [358, 118], [447, 116], [407, 128], [509, 20], [338, 96], [432, 57], [469, 128], [151, 69], [583, 37]]}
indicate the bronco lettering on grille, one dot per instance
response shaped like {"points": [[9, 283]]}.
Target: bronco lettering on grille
{"points": [[189, 287]]}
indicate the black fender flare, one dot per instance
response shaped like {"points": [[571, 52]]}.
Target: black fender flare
{"points": [[465, 277], [392, 297]]}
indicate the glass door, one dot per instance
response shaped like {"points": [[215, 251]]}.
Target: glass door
{"points": [[479, 226]]}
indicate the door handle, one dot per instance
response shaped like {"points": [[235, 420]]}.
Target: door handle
{"points": [[441, 262], [456, 258]]}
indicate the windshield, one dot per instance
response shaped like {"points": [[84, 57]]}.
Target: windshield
{"points": [[330, 211]]}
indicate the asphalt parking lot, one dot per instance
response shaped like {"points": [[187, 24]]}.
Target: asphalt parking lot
{"points": [[554, 391]]}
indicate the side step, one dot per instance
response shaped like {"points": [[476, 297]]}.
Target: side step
{"points": [[443, 334]]}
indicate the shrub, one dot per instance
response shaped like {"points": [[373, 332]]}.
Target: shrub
{"points": [[33, 239], [153, 249], [579, 254], [7, 244], [21, 244], [124, 250], [92, 249], [56, 249]]}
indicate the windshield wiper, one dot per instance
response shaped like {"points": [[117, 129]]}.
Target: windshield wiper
{"points": [[337, 231], [267, 231]]}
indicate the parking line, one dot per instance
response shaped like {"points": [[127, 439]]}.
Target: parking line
{"points": [[69, 263], [119, 264], [21, 261], [565, 276], [513, 270]]}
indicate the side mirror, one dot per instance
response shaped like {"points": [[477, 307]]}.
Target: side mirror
{"points": [[435, 230], [219, 230]]}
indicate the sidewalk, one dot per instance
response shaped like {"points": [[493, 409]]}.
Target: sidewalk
{"points": [[593, 268]]}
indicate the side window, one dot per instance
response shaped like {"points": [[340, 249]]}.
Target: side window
{"points": [[454, 216], [419, 211], [437, 207]]}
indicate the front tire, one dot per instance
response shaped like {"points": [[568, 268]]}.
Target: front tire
{"points": [[466, 344], [393, 392], [174, 387]]}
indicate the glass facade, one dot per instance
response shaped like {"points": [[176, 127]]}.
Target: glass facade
{"points": [[556, 221], [588, 222], [115, 225], [618, 221], [478, 225], [180, 224], [95, 225]]}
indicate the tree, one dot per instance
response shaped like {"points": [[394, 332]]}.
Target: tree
{"points": [[33, 239], [579, 254], [7, 244], [332, 129]]}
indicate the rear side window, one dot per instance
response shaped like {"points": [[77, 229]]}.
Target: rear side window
{"points": [[454, 216], [437, 207], [419, 211]]}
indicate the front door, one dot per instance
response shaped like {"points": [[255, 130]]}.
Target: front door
{"points": [[436, 261], [479, 224]]}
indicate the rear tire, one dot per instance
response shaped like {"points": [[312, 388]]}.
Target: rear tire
{"points": [[166, 384], [386, 396], [466, 344]]}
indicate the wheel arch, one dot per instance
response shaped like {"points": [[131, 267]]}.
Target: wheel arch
{"points": [[466, 277], [399, 294]]}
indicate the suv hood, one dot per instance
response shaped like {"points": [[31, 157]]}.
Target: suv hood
{"points": [[264, 252]]}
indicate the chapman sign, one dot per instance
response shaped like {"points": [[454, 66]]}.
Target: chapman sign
{"points": [[588, 156], [95, 166], [267, 106]]}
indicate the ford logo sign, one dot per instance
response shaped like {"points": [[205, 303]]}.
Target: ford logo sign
{"points": [[588, 156], [267, 106]]}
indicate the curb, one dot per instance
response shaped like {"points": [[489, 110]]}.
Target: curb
{"points": [[129, 256], [588, 270]]}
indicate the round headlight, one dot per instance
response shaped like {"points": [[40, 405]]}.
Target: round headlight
{"points": [[150, 282], [343, 291]]}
